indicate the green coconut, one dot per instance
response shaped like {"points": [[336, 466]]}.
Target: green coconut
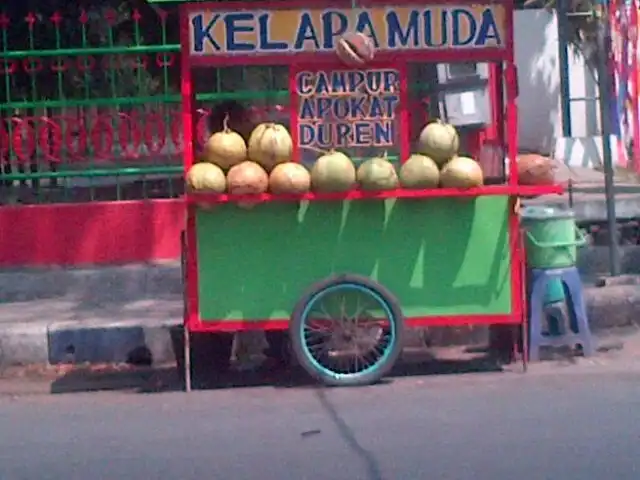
{"points": [[377, 173], [419, 172], [461, 172], [439, 141], [333, 172]]}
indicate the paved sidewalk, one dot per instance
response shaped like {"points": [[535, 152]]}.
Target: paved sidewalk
{"points": [[88, 315], [589, 201], [93, 321], [57, 330], [108, 314]]}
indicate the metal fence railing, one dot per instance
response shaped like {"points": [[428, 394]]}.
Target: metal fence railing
{"points": [[88, 105]]}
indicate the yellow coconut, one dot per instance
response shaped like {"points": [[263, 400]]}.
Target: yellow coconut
{"points": [[247, 178], [461, 172], [333, 172], [439, 141], [206, 177], [269, 145], [290, 178], [226, 148], [419, 172], [376, 174]]}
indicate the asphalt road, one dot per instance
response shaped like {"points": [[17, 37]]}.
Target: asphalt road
{"points": [[487, 426]]}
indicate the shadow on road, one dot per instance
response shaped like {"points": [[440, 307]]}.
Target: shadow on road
{"points": [[168, 378]]}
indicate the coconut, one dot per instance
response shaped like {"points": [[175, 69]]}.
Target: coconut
{"points": [[439, 141], [355, 49], [377, 173], [290, 178], [418, 172], [461, 172], [226, 148], [333, 172], [247, 178], [534, 169], [270, 144], [206, 177]]}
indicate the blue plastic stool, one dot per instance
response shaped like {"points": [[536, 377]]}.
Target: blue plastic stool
{"points": [[580, 334]]}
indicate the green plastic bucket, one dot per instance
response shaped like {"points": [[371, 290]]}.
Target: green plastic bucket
{"points": [[554, 292], [552, 237]]}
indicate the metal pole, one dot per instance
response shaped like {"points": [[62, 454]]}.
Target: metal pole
{"points": [[563, 60], [187, 359], [604, 86]]}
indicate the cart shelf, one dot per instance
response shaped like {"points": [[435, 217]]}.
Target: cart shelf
{"points": [[491, 190]]}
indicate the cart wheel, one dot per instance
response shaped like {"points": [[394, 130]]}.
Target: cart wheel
{"points": [[347, 331]]}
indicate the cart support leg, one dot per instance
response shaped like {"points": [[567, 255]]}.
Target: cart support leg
{"points": [[525, 345], [187, 360]]}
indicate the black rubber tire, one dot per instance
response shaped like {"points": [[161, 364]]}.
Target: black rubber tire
{"points": [[358, 379]]}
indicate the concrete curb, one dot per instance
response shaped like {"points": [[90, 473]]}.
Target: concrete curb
{"points": [[153, 342], [121, 342], [132, 313], [23, 344]]}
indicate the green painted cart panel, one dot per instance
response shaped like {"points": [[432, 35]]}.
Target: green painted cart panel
{"points": [[440, 256]]}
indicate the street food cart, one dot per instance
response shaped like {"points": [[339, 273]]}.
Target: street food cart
{"points": [[346, 272]]}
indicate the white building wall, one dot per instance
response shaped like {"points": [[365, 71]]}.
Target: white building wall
{"points": [[540, 119]]}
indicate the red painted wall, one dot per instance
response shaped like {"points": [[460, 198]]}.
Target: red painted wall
{"points": [[102, 233]]}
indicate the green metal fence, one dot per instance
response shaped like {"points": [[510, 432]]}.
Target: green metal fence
{"points": [[90, 104]]}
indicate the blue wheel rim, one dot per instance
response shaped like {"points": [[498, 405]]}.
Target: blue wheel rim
{"points": [[383, 306]]}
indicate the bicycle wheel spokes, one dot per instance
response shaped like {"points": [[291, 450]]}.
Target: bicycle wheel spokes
{"points": [[347, 330]]}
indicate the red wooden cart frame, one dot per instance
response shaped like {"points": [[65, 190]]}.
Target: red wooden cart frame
{"points": [[504, 77]]}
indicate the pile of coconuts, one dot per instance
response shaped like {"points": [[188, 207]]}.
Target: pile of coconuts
{"points": [[228, 164], [437, 163]]}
